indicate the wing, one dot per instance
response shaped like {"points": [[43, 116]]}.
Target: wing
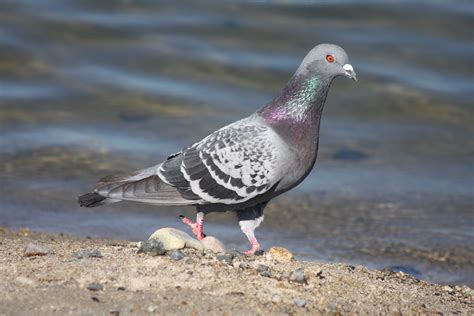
{"points": [[230, 166]]}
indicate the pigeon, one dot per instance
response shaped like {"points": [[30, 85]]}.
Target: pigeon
{"points": [[243, 165]]}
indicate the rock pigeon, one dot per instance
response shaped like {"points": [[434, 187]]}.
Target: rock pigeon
{"points": [[243, 165]]}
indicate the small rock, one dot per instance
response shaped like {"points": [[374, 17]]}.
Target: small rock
{"points": [[32, 250], [121, 288], [300, 302], [279, 254], [24, 281], [95, 287], [213, 244], [189, 261], [286, 310], [298, 276], [243, 265], [235, 252], [404, 270], [114, 313], [332, 307], [152, 247], [172, 238], [448, 289], [135, 244], [266, 274], [259, 253], [176, 255], [95, 299], [225, 257], [87, 253], [151, 309], [261, 268]]}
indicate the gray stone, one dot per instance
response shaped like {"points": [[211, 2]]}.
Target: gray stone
{"points": [[234, 252], [172, 238], [88, 253], [300, 302], [266, 274], [225, 257], [298, 276], [213, 244], [95, 287], [152, 247], [176, 255], [261, 268], [32, 250]]}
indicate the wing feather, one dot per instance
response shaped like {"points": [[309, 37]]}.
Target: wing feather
{"points": [[230, 166]]}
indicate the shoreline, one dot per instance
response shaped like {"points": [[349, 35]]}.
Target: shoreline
{"points": [[122, 282]]}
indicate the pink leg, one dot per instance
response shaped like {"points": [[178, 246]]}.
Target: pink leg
{"points": [[248, 228], [255, 246], [195, 226]]}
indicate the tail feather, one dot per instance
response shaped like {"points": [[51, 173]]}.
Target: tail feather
{"points": [[91, 200], [140, 186]]}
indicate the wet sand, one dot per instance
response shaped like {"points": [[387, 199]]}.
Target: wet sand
{"points": [[123, 282]]}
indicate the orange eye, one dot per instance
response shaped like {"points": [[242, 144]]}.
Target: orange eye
{"points": [[330, 58]]}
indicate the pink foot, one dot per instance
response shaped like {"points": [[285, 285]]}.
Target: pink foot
{"points": [[255, 246], [195, 227]]}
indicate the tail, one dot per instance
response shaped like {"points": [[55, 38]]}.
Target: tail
{"points": [[140, 186], [91, 200]]}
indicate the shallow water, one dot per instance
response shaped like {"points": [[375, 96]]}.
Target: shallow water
{"points": [[88, 89]]}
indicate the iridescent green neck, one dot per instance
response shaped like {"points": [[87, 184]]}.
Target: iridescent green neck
{"points": [[300, 100]]}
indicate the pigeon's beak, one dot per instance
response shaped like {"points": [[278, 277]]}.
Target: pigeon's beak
{"points": [[349, 72]]}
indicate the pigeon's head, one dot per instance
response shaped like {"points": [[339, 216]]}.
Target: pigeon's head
{"points": [[327, 61]]}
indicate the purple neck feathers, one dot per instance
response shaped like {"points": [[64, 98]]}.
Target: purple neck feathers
{"points": [[296, 112]]}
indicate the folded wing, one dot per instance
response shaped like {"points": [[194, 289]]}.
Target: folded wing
{"points": [[230, 166]]}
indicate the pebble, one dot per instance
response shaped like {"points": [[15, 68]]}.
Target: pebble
{"points": [[225, 257], [279, 254], [235, 252], [266, 274], [298, 276], [32, 250], [152, 247], [87, 253], [176, 255], [24, 281], [287, 310], [213, 244], [243, 265], [300, 302], [259, 252], [262, 268], [448, 289], [172, 238], [95, 287]]}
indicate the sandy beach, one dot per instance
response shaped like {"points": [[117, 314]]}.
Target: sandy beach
{"points": [[46, 274]]}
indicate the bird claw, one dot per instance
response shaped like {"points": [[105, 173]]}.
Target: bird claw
{"points": [[195, 227]]}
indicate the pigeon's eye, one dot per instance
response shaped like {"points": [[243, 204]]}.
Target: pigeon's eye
{"points": [[330, 58]]}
